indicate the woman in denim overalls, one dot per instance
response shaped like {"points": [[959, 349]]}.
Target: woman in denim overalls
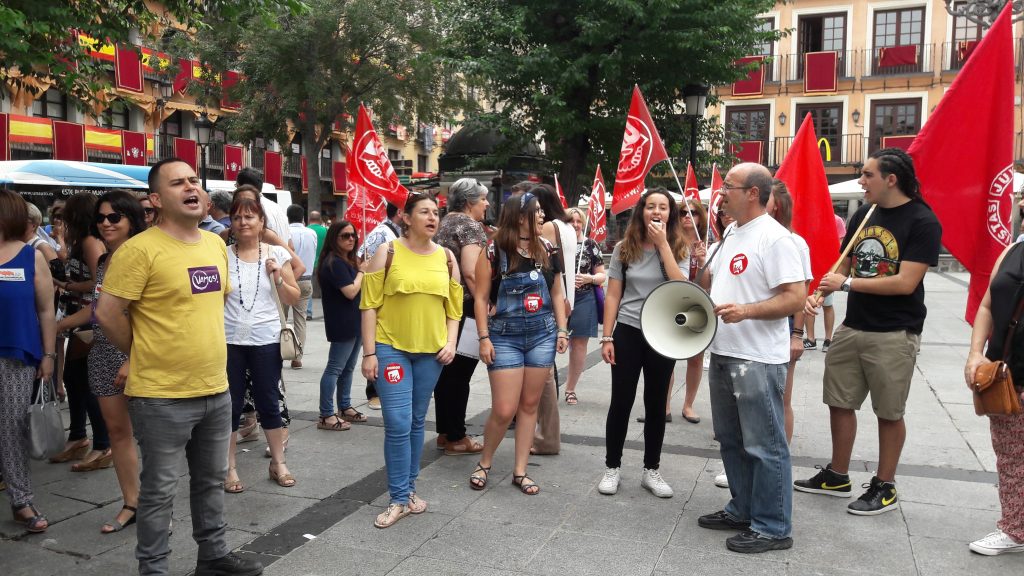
{"points": [[520, 335]]}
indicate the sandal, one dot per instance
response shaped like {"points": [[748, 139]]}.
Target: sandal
{"points": [[477, 482], [350, 414], [570, 398], [116, 526], [36, 523], [526, 486], [76, 451], [104, 460], [416, 504], [233, 486], [392, 514], [337, 426], [283, 480]]}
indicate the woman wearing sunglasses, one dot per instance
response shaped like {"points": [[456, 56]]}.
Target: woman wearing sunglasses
{"points": [[341, 280], [118, 217]]}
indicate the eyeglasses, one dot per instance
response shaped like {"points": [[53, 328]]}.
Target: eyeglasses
{"points": [[349, 236], [113, 218], [726, 187], [149, 210]]}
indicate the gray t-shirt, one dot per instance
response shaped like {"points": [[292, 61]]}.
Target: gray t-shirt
{"points": [[644, 276]]}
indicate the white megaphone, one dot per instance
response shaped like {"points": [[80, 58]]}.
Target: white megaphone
{"points": [[678, 319]]}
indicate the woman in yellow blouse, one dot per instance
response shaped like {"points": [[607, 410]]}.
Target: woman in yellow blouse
{"points": [[412, 303]]}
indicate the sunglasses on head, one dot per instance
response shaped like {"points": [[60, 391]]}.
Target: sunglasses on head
{"points": [[349, 235], [113, 218]]}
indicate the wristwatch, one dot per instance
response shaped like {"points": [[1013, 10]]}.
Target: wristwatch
{"points": [[847, 284]]}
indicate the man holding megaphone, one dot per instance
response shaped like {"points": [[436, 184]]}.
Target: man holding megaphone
{"points": [[757, 281]]}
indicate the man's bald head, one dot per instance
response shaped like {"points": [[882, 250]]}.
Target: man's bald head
{"points": [[753, 174], [314, 217]]}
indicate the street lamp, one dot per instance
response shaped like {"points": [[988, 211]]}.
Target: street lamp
{"points": [[166, 92], [696, 98], [204, 129]]}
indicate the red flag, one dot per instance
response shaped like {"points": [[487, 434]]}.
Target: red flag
{"points": [[232, 161], [966, 168], [366, 209], [813, 217], [598, 218], [369, 165], [641, 149], [68, 141], [133, 148], [561, 195], [716, 200], [692, 191]]}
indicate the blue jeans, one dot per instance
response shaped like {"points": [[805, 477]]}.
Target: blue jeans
{"points": [[405, 383], [337, 377], [166, 428], [748, 415]]}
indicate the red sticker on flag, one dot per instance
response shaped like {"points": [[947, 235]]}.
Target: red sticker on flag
{"points": [[394, 373], [533, 302], [738, 264]]}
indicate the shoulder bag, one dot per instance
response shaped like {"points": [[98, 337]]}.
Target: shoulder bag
{"points": [[994, 393], [45, 428], [291, 348]]}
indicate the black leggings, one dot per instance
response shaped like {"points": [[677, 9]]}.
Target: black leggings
{"points": [[451, 395], [81, 402], [633, 355], [264, 364]]}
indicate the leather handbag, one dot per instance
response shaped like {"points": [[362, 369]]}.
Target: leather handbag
{"points": [[291, 348], [994, 392], [45, 427]]}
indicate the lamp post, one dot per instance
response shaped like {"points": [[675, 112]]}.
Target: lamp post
{"points": [[696, 98], [166, 92], [204, 129]]}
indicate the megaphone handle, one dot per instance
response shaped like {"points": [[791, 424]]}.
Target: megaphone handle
{"points": [[700, 273]]}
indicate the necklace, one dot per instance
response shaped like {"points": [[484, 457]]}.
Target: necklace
{"points": [[259, 266]]}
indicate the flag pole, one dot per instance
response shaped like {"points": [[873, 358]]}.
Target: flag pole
{"points": [[849, 245], [711, 200], [683, 190]]}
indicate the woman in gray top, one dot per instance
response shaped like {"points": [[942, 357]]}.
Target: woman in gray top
{"points": [[652, 251]]}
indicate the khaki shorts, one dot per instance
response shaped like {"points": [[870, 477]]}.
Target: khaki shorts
{"points": [[881, 363]]}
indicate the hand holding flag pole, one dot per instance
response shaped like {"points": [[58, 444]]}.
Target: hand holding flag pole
{"points": [[818, 296]]}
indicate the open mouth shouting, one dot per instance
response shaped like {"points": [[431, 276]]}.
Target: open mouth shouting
{"points": [[192, 200]]}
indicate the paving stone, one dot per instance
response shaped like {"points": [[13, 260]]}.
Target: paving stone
{"points": [[717, 562], [940, 556], [494, 544], [416, 566], [566, 554], [950, 522], [318, 559]]}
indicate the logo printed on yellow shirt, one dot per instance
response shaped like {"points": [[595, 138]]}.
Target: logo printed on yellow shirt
{"points": [[204, 279]]}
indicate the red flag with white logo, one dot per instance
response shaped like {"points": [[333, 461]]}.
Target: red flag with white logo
{"points": [[966, 168], [598, 216], [642, 148], [561, 195], [813, 217], [716, 200], [369, 166], [692, 191], [365, 209]]}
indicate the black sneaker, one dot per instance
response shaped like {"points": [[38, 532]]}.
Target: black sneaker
{"points": [[880, 497], [825, 345], [750, 542], [230, 565], [722, 521], [827, 482], [810, 344]]}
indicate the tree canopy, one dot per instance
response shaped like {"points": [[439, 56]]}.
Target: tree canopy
{"points": [[36, 35], [313, 70], [565, 68]]}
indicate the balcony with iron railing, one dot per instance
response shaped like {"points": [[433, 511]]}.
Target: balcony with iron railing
{"points": [[842, 150], [898, 60], [845, 64], [293, 166]]}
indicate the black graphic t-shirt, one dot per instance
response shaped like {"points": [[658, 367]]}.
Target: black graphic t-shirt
{"points": [[909, 232]]}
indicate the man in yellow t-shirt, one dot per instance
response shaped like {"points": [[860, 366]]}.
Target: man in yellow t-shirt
{"points": [[163, 304]]}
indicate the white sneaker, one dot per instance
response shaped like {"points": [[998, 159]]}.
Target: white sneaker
{"points": [[610, 482], [653, 481], [996, 543], [722, 481]]}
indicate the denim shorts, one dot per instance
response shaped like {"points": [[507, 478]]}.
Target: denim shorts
{"points": [[520, 342]]}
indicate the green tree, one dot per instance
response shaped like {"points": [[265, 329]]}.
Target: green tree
{"points": [[35, 35], [316, 67], [566, 68]]}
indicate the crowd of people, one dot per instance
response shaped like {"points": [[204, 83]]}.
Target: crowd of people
{"points": [[160, 319]]}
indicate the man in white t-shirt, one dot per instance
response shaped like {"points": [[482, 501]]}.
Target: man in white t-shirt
{"points": [[757, 282], [304, 242]]}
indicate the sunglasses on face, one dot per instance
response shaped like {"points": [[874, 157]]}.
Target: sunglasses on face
{"points": [[113, 218], [349, 236]]}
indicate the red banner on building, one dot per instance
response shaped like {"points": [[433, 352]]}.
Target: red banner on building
{"points": [[901, 142], [133, 148], [232, 161], [897, 56], [230, 78], [749, 151], [273, 168], [5, 141], [187, 150], [128, 70], [339, 177], [68, 141], [821, 71], [183, 77], [753, 84]]}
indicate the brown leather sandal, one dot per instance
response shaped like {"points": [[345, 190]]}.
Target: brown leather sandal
{"points": [[76, 451], [104, 460], [283, 480], [338, 425], [350, 414], [233, 486]]}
